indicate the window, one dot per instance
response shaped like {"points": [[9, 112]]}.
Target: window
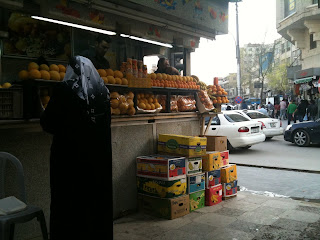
{"points": [[283, 48], [288, 46], [235, 118], [215, 121], [314, 1], [313, 44], [255, 115], [289, 7]]}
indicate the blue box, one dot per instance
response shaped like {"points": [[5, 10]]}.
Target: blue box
{"points": [[196, 182], [213, 178]]}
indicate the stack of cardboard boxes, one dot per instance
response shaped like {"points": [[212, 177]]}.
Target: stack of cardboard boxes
{"points": [[185, 177], [162, 186], [220, 175]]}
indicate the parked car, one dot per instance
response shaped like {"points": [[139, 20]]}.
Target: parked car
{"points": [[304, 133], [239, 130], [271, 126], [224, 107]]}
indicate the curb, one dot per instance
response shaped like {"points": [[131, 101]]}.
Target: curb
{"points": [[277, 168]]}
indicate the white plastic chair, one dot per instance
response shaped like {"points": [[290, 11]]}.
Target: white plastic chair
{"points": [[16, 211]]}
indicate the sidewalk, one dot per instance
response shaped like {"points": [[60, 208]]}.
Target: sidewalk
{"points": [[246, 216]]}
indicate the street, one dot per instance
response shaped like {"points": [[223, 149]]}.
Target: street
{"points": [[262, 170]]}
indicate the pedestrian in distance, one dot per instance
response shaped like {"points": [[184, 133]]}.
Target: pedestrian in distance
{"points": [[270, 109], [263, 110], [78, 116], [283, 109], [301, 110], [244, 105], [290, 110], [312, 111], [277, 110]]}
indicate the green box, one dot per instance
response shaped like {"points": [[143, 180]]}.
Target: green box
{"points": [[170, 208], [196, 200], [162, 188]]}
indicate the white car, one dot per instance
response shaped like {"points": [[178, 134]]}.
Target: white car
{"points": [[271, 126], [239, 130]]}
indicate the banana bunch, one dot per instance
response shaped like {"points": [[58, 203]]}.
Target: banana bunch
{"points": [[202, 85], [196, 79]]}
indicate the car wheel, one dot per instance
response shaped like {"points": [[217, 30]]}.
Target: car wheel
{"points": [[301, 138]]}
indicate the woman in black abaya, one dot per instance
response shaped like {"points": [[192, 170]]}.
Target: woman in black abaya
{"points": [[78, 116]]}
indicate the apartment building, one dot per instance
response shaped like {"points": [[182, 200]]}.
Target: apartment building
{"points": [[298, 21]]}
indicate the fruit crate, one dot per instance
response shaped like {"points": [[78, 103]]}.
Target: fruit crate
{"points": [[11, 103]]}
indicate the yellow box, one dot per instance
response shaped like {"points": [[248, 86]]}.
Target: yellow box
{"points": [[211, 161], [229, 173], [187, 146]]}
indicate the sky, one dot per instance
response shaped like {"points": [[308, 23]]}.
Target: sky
{"points": [[217, 58]]}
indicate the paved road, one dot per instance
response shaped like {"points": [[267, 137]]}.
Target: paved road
{"points": [[279, 153], [279, 183]]}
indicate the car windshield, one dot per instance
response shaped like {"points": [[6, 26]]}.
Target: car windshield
{"points": [[235, 118], [255, 115]]}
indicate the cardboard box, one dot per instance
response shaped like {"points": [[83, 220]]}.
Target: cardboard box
{"points": [[162, 188], [229, 189], [161, 166], [216, 143], [166, 208], [229, 173], [196, 200], [213, 195], [187, 146], [211, 161], [194, 165], [213, 178], [196, 182], [224, 158]]}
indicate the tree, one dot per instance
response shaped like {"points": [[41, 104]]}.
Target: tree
{"points": [[278, 80]]}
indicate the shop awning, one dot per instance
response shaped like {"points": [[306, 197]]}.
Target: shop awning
{"points": [[303, 80]]}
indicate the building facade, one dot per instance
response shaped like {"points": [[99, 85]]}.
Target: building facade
{"points": [[298, 21]]}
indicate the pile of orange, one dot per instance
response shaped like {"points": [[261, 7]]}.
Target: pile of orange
{"points": [[122, 104], [147, 101], [220, 100], [112, 77], [216, 90], [53, 72], [172, 81]]}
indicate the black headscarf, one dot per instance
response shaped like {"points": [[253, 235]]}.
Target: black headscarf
{"points": [[86, 82]]}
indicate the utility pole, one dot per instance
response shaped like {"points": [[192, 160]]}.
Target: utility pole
{"points": [[238, 52]]}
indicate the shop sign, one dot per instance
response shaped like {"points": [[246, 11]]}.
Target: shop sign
{"points": [[307, 73], [203, 15], [303, 80]]}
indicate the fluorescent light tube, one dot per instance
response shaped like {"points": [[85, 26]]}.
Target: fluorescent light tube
{"points": [[147, 41], [92, 29]]}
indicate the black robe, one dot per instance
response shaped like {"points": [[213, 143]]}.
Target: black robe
{"points": [[80, 167]]}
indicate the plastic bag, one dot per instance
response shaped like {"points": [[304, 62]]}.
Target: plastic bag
{"points": [[186, 103]]}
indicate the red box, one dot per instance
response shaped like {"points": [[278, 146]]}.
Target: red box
{"points": [[213, 195], [224, 158], [161, 167], [230, 189], [213, 178]]}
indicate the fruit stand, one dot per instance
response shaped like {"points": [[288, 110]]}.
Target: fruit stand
{"points": [[144, 104]]}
